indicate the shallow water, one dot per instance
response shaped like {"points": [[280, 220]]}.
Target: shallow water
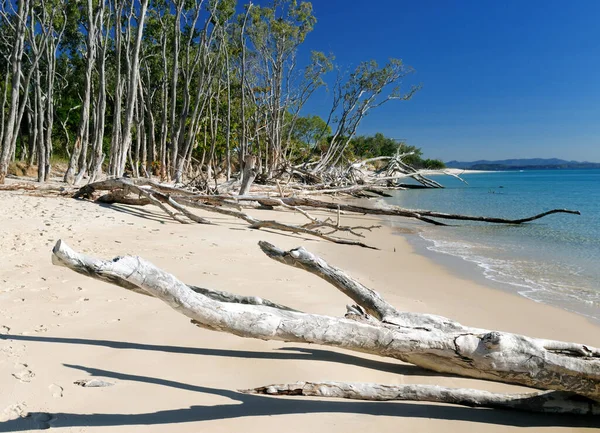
{"points": [[554, 260]]}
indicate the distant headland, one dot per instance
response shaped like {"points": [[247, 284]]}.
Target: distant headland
{"points": [[522, 164]]}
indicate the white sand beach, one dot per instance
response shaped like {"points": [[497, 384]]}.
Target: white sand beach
{"points": [[58, 327]]}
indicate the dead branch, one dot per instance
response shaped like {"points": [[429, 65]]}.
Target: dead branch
{"points": [[398, 211], [221, 296], [366, 298]]}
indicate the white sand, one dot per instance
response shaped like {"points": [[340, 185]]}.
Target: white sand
{"points": [[170, 376]]}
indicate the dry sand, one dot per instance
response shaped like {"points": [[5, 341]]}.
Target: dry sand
{"points": [[169, 376]]}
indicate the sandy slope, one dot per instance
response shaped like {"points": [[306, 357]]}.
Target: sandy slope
{"points": [[170, 376]]}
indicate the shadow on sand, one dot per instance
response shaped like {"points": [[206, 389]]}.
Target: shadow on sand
{"points": [[287, 353], [243, 405]]}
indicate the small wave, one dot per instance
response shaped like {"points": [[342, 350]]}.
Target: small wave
{"points": [[513, 272]]}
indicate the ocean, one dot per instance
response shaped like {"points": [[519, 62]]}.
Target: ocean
{"points": [[555, 260]]}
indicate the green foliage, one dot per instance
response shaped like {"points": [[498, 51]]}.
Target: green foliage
{"points": [[365, 147], [282, 26], [275, 88], [434, 164], [310, 130], [307, 135]]}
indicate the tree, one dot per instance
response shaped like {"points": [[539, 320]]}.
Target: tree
{"points": [[433, 164], [368, 87], [179, 86], [363, 147], [18, 25], [306, 133], [275, 33], [133, 72], [366, 147], [78, 159]]}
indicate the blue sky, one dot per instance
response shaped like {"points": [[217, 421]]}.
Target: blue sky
{"points": [[501, 79]]}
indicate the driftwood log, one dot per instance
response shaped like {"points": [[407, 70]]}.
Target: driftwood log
{"points": [[143, 192], [138, 192], [567, 373]]}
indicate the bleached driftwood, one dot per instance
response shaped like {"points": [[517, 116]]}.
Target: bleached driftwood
{"points": [[543, 401], [145, 191], [432, 342], [248, 174], [148, 192], [296, 201], [367, 299], [424, 215]]}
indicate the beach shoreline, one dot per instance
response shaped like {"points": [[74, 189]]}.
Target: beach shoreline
{"points": [[475, 271], [58, 327], [551, 260]]}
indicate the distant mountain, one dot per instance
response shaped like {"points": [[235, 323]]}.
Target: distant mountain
{"points": [[522, 164]]}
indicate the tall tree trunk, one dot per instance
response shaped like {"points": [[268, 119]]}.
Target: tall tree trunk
{"points": [[201, 58], [243, 141], [78, 159], [3, 108], [175, 129], [116, 134], [99, 122], [41, 133], [164, 108], [134, 71], [228, 130], [31, 131], [53, 41], [16, 62]]}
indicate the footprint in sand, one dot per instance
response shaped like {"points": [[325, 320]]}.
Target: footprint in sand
{"points": [[4, 330], [14, 411], [38, 329], [61, 313], [11, 350], [24, 374], [56, 390]]}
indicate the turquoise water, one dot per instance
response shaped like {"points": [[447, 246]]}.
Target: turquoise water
{"points": [[555, 260]]}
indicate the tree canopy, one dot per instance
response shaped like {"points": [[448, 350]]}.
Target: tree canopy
{"points": [[364, 147], [177, 88]]}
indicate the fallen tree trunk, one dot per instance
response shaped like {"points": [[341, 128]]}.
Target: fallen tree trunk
{"points": [[397, 211], [427, 216], [37, 187], [432, 342], [543, 401], [148, 192]]}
